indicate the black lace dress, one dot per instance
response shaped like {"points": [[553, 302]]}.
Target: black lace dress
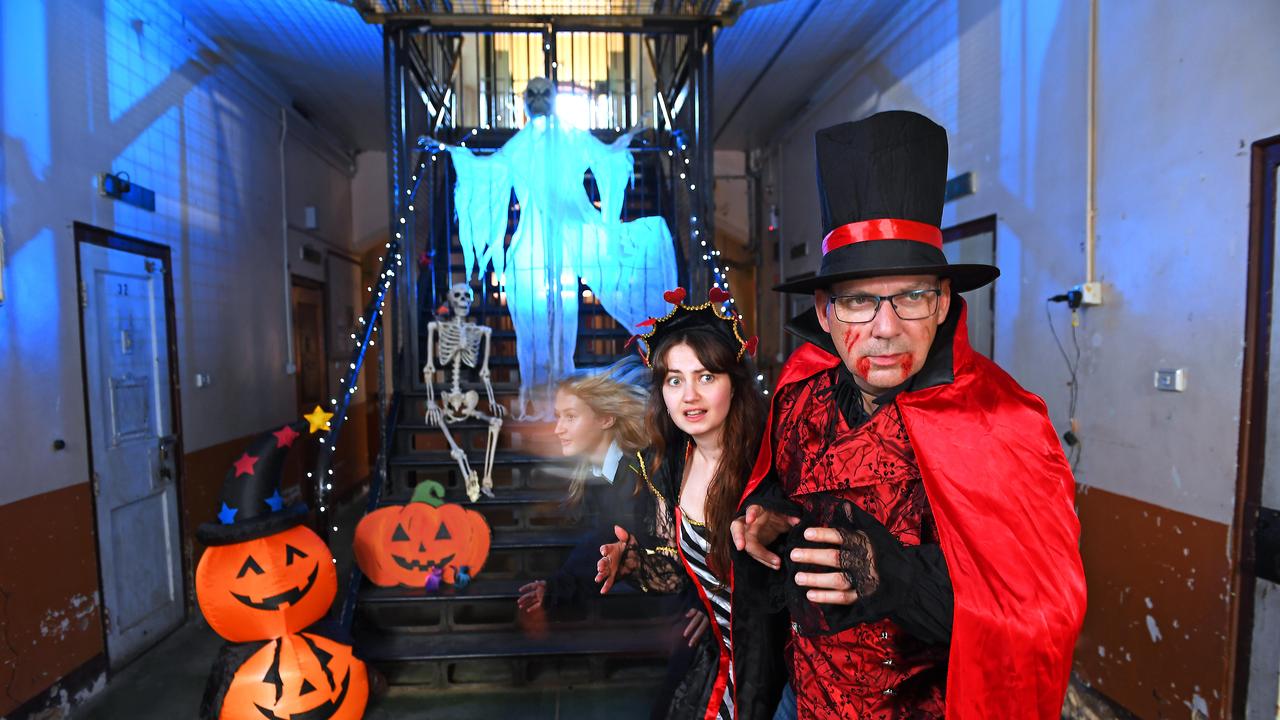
{"points": [[719, 677]]}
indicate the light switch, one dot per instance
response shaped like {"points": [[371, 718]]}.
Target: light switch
{"points": [[1171, 380]]}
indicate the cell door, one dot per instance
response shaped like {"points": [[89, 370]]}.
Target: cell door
{"points": [[975, 242], [1264, 658], [132, 447]]}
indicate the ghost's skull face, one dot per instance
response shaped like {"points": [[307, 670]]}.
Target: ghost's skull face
{"points": [[460, 299], [539, 97]]}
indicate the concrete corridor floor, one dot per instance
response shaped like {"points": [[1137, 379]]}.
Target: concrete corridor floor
{"points": [[167, 682]]}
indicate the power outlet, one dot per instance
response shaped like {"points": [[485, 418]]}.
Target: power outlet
{"points": [[1090, 293], [1172, 380]]}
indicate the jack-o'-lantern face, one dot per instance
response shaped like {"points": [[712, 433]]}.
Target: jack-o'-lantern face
{"points": [[266, 587], [401, 544], [298, 677]]}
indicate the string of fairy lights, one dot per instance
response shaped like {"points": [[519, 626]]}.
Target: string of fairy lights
{"points": [[697, 229], [362, 340]]}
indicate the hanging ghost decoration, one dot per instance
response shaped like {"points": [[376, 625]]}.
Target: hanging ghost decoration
{"points": [[561, 238]]}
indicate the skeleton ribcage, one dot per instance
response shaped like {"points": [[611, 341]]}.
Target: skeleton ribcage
{"points": [[463, 339]]}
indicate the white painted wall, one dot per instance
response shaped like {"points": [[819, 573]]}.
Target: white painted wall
{"points": [[369, 200], [1183, 89], [90, 86]]}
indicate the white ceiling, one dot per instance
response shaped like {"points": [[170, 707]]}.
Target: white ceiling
{"points": [[824, 34], [330, 61], [319, 51]]}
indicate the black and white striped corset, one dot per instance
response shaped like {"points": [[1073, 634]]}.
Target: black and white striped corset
{"points": [[694, 547]]}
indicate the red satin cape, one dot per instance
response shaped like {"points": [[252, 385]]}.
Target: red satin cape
{"points": [[1003, 497]]}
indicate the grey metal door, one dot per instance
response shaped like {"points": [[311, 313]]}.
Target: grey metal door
{"points": [[977, 248], [133, 446], [1264, 660]]}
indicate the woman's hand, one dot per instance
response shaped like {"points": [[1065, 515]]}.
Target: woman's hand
{"points": [[532, 595], [698, 624], [612, 558]]}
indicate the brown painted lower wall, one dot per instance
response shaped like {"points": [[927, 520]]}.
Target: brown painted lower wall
{"points": [[50, 616], [1155, 636], [50, 621]]}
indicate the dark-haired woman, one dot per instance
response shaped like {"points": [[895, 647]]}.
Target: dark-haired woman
{"points": [[705, 418]]}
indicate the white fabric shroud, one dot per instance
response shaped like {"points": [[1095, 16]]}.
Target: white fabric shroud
{"points": [[561, 237]]}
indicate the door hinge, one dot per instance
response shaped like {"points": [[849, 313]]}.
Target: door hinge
{"points": [[106, 619], [97, 486], [84, 295]]}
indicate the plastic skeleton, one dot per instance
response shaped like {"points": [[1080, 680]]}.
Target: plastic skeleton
{"points": [[451, 344]]}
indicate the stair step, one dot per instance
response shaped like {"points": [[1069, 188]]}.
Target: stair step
{"points": [[627, 639], [526, 539], [508, 426], [442, 459], [482, 588], [501, 498]]}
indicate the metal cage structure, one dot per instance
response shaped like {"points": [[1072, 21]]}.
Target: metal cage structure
{"points": [[456, 71]]}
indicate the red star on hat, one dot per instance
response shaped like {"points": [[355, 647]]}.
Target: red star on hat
{"points": [[285, 436], [244, 466]]}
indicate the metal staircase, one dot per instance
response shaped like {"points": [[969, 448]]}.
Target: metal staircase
{"points": [[451, 72], [476, 637]]}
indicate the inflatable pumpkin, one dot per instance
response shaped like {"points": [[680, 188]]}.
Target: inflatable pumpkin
{"points": [[298, 677], [403, 544], [266, 587]]}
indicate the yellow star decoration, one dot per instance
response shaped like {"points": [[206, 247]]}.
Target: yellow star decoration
{"points": [[318, 419]]}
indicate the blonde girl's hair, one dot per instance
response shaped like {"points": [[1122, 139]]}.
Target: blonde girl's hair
{"points": [[607, 397]]}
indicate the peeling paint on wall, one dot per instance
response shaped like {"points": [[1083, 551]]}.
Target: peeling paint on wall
{"points": [[1153, 629], [78, 614]]}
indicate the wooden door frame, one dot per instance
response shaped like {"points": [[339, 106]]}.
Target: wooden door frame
{"points": [[85, 234], [1253, 416], [321, 286]]}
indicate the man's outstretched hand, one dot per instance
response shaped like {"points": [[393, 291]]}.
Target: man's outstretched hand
{"points": [[756, 530]]}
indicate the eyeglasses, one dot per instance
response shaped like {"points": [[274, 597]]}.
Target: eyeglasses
{"points": [[909, 305]]}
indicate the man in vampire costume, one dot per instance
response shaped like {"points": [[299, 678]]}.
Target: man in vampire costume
{"points": [[911, 506]]}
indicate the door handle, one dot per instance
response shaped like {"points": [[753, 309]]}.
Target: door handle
{"points": [[164, 471]]}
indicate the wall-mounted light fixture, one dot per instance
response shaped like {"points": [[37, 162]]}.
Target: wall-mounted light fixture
{"points": [[120, 187]]}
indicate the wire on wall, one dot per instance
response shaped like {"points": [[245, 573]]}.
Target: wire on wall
{"points": [[1075, 447]]}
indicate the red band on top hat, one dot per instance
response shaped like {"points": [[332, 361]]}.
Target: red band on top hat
{"points": [[882, 229]]}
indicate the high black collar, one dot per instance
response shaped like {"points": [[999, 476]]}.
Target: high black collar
{"points": [[938, 368]]}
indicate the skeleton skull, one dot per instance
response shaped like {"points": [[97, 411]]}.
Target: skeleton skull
{"points": [[460, 299], [539, 97]]}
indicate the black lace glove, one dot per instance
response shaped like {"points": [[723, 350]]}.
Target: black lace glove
{"points": [[907, 584]]}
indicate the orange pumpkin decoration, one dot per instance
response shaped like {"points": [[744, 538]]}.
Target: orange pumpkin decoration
{"points": [[402, 544], [296, 677], [266, 587]]}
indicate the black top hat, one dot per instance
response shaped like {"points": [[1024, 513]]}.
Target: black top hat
{"points": [[711, 315], [881, 182], [251, 503]]}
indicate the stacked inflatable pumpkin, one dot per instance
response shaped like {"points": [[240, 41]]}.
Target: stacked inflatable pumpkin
{"points": [[263, 580], [427, 543]]}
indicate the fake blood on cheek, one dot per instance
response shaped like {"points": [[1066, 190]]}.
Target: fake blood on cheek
{"points": [[908, 363], [851, 340]]}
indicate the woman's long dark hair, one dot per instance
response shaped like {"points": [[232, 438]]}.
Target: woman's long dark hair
{"points": [[740, 439]]}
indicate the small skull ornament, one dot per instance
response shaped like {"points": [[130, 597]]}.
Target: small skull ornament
{"points": [[539, 97], [460, 299]]}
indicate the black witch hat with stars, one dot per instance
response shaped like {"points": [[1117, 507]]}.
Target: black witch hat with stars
{"points": [[251, 504]]}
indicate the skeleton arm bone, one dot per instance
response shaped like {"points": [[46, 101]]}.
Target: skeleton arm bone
{"points": [[429, 375], [494, 407]]}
